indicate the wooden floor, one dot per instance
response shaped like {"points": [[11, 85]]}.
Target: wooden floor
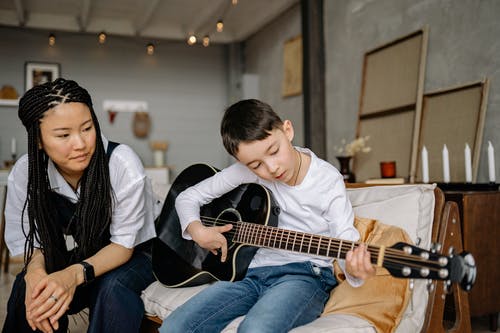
{"points": [[78, 323]]}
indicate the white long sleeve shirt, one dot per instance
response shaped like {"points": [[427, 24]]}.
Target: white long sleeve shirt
{"points": [[134, 208], [318, 205]]}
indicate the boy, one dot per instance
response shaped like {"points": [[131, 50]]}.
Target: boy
{"points": [[281, 289]]}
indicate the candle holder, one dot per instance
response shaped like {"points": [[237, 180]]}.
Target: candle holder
{"points": [[388, 169]]}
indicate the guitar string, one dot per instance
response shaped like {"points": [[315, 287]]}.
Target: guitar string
{"points": [[395, 264], [314, 242], [302, 235]]}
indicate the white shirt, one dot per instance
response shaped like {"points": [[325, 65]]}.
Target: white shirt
{"points": [[318, 205], [134, 208]]}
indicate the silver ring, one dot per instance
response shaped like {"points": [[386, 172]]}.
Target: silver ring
{"points": [[54, 298]]}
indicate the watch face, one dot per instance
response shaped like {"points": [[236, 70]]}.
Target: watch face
{"points": [[88, 272]]}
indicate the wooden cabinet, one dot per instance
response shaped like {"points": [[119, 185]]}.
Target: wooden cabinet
{"points": [[480, 219]]}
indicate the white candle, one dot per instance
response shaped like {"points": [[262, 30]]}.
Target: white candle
{"points": [[425, 165], [468, 166], [446, 165], [159, 158], [13, 146], [491, 162]]}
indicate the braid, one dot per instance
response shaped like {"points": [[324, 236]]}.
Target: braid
{"points": [[94, 208]]}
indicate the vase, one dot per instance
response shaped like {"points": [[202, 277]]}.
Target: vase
{"points": [[345, 169]]}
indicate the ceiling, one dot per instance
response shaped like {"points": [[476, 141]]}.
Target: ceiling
{"points": [[151, 19]]}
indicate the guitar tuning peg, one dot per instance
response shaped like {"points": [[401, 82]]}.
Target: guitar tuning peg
{"points": [[430, 286], [418, 241], [411, 286], [435, 247], [446, 287]]}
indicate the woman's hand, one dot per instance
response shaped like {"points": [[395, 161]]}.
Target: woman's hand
{"points": [[210, 238], [358, 263], [51, 296], [32, 278]]}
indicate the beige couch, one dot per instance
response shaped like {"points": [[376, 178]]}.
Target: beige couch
{"points": [[420, 211]]}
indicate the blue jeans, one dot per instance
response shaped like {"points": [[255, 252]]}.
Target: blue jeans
{"points": [[113, 299], [274, 299]]}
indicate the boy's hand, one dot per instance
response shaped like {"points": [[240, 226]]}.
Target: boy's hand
{"points": [[358, 263], [210, 238]]}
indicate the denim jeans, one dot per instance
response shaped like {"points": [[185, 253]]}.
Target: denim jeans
{"points": [[113, 299], [273, 299]]}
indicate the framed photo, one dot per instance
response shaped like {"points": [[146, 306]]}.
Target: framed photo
{"points": [[292, 67], [40, 72]]}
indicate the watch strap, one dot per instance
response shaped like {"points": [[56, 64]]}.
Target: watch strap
{"points": [[88, 272]]}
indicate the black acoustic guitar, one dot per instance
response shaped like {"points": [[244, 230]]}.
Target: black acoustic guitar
{"points": [[254, 214]]}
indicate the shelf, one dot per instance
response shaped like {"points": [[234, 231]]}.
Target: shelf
{"points": [[9, 102]]}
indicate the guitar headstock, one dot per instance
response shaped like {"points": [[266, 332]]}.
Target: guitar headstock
{"points": [[408, 261]]}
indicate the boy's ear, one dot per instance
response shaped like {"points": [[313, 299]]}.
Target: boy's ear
{"points": [[288, 129]]}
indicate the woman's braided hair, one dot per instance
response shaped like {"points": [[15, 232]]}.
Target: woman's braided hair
{"points": [[94, 208]]}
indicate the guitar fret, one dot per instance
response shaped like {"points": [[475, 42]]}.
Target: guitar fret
{"points": [[287, 238], [340, 247], [309, 247], [248, 235], [301, 242], [294, 239], [328, 248], [261, 240], [319, 243], [274, 239], [352, 246], [280, 237], [255, 234]]}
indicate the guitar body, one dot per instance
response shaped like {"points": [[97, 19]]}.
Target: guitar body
{"points": [[178, 262]]}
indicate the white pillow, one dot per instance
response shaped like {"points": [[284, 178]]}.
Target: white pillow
{"points": [[410, 207]]}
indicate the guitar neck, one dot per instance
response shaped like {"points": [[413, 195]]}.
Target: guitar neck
{"points": [[290, 240]]}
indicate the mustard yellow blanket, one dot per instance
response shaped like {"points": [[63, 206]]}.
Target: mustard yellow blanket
{"points": [[382, 299]]}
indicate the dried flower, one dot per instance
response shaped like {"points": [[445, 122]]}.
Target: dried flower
{"points": [[353, 147]]}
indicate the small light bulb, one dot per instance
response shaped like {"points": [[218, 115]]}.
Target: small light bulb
{"points": [[150, 49], [52, 40], [234, 2], [206, 41], [220, 26], [191, 40], [102, 37]]}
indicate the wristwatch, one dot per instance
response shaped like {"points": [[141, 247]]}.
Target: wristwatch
{"points": [[88, 272]]}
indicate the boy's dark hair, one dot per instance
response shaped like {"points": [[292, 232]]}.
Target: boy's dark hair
{"points": [[245, 121]]}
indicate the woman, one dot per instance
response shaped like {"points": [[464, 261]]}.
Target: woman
{"points": [[81, 210]]}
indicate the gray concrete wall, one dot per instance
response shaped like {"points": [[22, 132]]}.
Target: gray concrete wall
{"points": [[263, 55], [463, 47], [186, 88]]}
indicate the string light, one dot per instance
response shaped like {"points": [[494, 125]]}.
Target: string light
{"points": [[52, 39], [191, 39], [102, 37], [220, 26], [150, 49], [234, 2], [206, 41]]}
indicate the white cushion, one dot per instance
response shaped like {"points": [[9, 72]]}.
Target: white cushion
{"points": [[410, 207]]}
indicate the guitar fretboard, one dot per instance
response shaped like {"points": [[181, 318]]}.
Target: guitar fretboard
{"points": [[276, 238]]}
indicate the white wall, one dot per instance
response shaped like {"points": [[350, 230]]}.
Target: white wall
{"points": [[263, 55], [185, 87]]}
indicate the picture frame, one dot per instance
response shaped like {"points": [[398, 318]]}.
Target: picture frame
{"points": [[292, 67], [391, 97], [40, 72]]}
